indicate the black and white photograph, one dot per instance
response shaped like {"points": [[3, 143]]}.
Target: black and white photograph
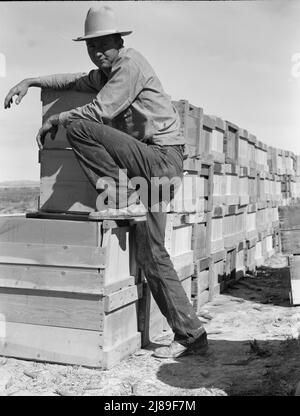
{"points": [[150, 201]]}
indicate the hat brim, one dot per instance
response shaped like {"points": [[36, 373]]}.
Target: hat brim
{"points": [[102, 33]]}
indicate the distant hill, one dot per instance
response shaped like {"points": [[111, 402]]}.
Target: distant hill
{"points": [[17, 199], [20, 184]]}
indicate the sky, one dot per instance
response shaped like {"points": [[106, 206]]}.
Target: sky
{"points": [[232, 58]]}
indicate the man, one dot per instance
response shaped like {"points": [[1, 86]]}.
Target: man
{"points": [[131, 125]]}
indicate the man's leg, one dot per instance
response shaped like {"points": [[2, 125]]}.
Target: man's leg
{"points": [[103, 151], [163, 280]]}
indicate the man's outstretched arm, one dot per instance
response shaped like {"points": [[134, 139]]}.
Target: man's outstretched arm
{"points": [[90, 82]]}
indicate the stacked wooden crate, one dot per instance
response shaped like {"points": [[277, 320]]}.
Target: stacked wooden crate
{"points": [[205, 135], [63, 185], [67, 291], [290, 240], [217, 142], [228, 216], [244, 164]]}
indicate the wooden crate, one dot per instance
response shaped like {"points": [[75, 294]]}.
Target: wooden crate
{"points": [[250, 254], [234, 226], [231, 142], [252, 186], [289, 162], [267, 246], [217, 140], [194, 195], [278, 196], [251, 151], [243, 155], [276, 240], [67, 291], [64, 187], [240, 224], [240, 264], [293, 187], [230, 267], [217, 239], [56, 101], [294, 265], [274, 216], [232, 194], [200, 283], [297, 179], [251, 230], [259, 258], [261, 157], [191, 118], [261, 219], [216, 273], [206, 138], [280, 162], [297, 165], [261, 188], [289, 220], [201, 237], [272, 159], [243, 186], [178, 235], [269, 179], [219, 184]]}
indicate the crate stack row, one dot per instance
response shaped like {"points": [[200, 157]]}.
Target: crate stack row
{"points": [[228, 205]]}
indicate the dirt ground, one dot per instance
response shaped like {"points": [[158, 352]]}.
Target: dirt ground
{"points": [[254, 350]]}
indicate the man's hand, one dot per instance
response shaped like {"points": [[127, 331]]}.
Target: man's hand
{"points": [[20, 90], [50, 126]]}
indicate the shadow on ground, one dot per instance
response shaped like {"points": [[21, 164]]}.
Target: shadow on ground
{"points": [[238, 368], [270, 284], [253, 350], [267, 286]]}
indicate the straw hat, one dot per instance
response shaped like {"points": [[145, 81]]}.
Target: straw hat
{"points": [[101, 22]]}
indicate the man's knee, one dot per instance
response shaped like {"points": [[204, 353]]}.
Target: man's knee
{"points": [[83, 131], [75, 129]]}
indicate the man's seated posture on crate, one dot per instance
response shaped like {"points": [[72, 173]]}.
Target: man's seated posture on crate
{"points": [[131, 125]]}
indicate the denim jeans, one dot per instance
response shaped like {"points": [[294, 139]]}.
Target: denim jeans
{"points": [[102, 151]]}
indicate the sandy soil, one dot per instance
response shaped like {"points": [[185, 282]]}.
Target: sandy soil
{"points": [[254, 350]]}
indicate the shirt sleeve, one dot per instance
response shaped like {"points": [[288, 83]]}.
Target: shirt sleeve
{"points": [[81, 81], [123, 86]]}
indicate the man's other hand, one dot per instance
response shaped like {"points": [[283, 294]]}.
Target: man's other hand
{"points": [[50, 126], [20, 90]]}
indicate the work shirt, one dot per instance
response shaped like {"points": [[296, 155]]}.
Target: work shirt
{"points": [[131, 98]]}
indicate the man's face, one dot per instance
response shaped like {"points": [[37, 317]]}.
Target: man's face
{"points": [[103, 51]]}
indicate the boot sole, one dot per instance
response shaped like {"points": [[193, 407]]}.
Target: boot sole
{"points": [[188, 351]]}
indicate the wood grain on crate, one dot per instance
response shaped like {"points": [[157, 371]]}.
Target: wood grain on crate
{"points": [[289, 218], [294, 267], [69, 310], [56, 101], [63, 345]]}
